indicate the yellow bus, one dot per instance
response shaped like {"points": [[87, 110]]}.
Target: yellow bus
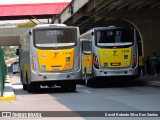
{"points": [[50, 56], [110, 51]]}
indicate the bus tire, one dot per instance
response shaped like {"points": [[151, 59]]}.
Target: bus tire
{"points": [[24, 87], [88, 82], [32, 87], [72, 88], [29, 85]]}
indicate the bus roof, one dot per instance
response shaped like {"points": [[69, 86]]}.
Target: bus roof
{"points": [[48, 25]]}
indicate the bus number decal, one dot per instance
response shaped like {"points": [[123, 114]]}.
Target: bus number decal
{"points": [[67, 53], [125, 51], [116, 64]]}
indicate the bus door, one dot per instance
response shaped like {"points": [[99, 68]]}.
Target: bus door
{"points": [[86, 58]]}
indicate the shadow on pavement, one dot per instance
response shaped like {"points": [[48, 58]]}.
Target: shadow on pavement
{"points": [[116, 82], [42, 91]]}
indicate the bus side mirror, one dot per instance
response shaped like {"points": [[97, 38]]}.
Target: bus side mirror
{"points": [[17, 51], [30, 33], [92, 33]]}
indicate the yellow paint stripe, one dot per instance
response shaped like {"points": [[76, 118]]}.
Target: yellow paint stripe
{"points": [[8, 98], [8, 91]]}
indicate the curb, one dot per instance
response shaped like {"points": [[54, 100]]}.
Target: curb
{"points": [[8, 91]]}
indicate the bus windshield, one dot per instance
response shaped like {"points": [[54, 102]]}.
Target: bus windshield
{"points": [[55, 37], [117, 37], [86, 46]]}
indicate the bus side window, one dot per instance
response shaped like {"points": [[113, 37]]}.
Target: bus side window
{"points": [[86, 46], [83, 46]]}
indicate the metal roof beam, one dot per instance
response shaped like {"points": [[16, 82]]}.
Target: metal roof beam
{"points": [[114, 5], [93, 3], [136, 4], [104, 4], [124, 4], [65, 14], [156, 4]]}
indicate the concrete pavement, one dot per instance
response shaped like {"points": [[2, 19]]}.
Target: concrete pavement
{"points": [[10, 95]]}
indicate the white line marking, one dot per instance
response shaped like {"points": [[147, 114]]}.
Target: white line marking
{"points": [[86, 91], [17, 86]]}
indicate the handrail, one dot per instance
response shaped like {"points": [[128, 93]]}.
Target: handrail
{"points": [[2, 72]]}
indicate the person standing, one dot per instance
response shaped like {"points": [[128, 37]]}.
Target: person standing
{"points": [[141, 65], [155, 60], [148, 65]]}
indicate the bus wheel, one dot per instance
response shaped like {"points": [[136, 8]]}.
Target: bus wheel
{"points": [[88, 82], [32, 87], [24, 87], [72, 88]]}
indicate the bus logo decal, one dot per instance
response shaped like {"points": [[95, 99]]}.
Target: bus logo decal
{"points": [[55, 54], [114, 52]]}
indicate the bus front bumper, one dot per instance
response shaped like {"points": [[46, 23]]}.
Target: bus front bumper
{"points": [[53, 76], [116, 72]]}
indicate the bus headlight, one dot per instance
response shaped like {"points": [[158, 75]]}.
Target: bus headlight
{"points": [[78, 62], [134, 63], [34, 62]]}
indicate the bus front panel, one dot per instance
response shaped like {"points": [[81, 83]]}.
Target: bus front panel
{"points": [[115, 58], [56, 60]]}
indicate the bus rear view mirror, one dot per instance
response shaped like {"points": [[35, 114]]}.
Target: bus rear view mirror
{"points": [[30, 33], [17, 51]]}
